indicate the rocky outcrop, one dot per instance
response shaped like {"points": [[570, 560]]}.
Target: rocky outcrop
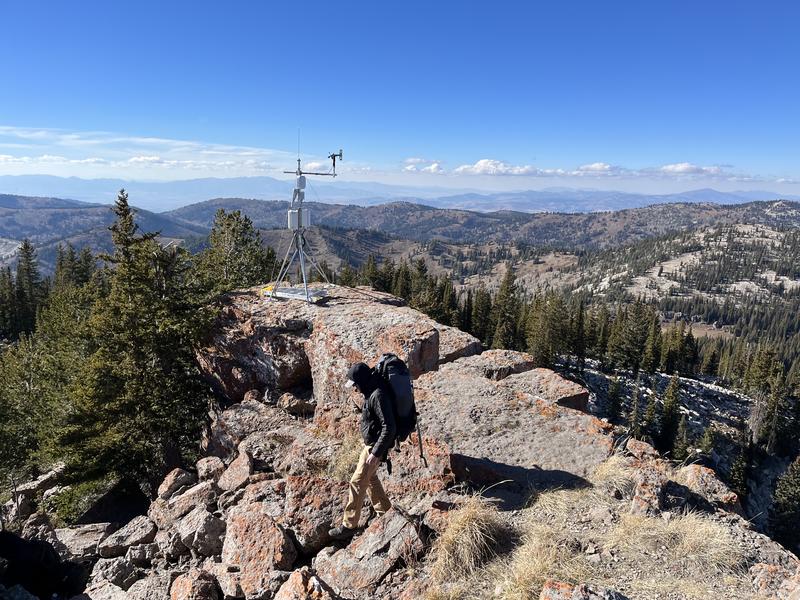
{"points": [[251, 520], [194, 585], [455, 344], [511, 427], [140, 530], [258, 546], [556, 590], [174, 481], [356, 571], [210, 468], [202, 532], [237, 473], [704, 481], [304, 585], [80, 542], [23, 502]]}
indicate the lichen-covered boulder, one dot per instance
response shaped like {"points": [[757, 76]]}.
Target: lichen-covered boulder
{"points": [[257, 545]]}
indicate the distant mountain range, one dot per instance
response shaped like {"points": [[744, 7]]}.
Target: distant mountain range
{"points": [[163, 196], [52, 221]]}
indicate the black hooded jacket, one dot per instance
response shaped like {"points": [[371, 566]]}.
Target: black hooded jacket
{"points": [[377, 415]]}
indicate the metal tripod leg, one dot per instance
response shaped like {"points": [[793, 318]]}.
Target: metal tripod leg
{"points": [[287, 262], [298, 241], [313, 262]]}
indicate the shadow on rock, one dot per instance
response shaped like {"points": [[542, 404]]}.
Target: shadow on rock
{"points": [[36, 566], [511, 485]]}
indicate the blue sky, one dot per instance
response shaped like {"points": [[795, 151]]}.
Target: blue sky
{"points": [[650, 96]]}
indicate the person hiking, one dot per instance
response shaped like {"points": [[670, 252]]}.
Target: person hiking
{"points": [[378, 431]]}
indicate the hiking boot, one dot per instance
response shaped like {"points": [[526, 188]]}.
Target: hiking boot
{"points": [[341, 532]]}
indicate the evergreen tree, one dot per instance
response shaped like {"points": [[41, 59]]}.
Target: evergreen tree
{"points": [[670, 416], [236, 257], [348, 277], [482, 316], [140, 400], [614, 399], [652, 349], [651, 424], [615, 354], [740, 469], [401, 282], [680, 449], [710, 363], [369, 275], [579, 337], [772, 434], [785, 511], [8, 305], [538, 332], [28, 287], [505, 312], [634, 415], [709, 440]]}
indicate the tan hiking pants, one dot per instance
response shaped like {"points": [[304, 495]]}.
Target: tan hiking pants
{"points": [[364, 481]]}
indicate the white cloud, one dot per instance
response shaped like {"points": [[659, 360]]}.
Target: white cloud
{"points": [[410, 168], [488, 166], [150, 160], [415, 161], [103, 154], [597, 167], [686, 168], [434, 168]]}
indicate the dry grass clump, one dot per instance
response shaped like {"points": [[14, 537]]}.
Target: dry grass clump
{"points": [[345, 458], [476, 533], [615, 473], [457, 593], [688, 555], [692, 543], [545, 553]]}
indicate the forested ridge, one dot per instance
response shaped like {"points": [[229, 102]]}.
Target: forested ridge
{"points": [[98, 369]]}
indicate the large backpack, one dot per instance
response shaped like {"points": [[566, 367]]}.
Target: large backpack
{"points": [[396, 374]]}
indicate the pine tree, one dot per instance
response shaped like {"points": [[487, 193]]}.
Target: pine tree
{"points": [[670, 415], [614, 399], [615, 355], [369, 275], [401, 283], [505, 312], [711, 362], [28, 287], [634, 415], [709, 440], [236, 257], [785, 511], [579, 338], [651, 425], [482, 316], [652, 350], [348, 277], [140, 400], [740, 469], [8, 305], [772, 434], [537, 333], [680, 449]]}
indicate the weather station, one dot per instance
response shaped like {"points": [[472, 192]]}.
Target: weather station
{"points": [[298, 219]]}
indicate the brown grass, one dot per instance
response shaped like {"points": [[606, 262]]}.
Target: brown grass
{"points": [[475, 533], [345, 458], [694, 544], [687, 556]]}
